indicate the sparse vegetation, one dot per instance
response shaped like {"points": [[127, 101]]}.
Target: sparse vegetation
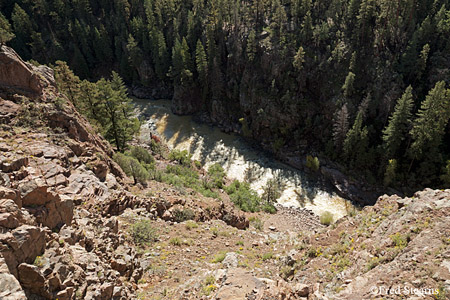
{"points": [[182, 157], [191, 225], [184, 214], [219, 257], [312, 163], [143, 233], [243, 196], [267, 256], [176, 241], [326, 218], [257, 223]]}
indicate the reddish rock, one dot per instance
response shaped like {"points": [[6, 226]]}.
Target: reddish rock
{"points": [[16, 73], [8, 220], [7, 193], [21, 245], [8, 110], [31, 279]]}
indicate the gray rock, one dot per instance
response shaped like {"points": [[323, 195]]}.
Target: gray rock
{"points": [[231, 260]]}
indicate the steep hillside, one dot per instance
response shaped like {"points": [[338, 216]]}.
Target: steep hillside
{"points": [[73, 226], [325, 78]]}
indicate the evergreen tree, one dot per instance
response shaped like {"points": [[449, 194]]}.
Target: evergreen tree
{"points": [[299, 59], [5, 30], [340, 127], [347, 88], [399, 124], [251, 46], [68, 83], [355, 144], [202, 66], [432, 118]]}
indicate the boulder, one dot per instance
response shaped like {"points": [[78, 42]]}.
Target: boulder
{"points": [[31, 279], [301, 290], [21, 245], [16, 73], [10, 288], [7, 193], [8, 220], [8, 110]]}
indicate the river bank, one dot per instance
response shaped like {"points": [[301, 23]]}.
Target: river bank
{"points": [[241, 161]]}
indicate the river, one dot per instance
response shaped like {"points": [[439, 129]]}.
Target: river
{"points": [[240, 161]]}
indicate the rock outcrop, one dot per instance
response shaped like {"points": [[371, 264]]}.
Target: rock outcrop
{"points": [[16, 73]]}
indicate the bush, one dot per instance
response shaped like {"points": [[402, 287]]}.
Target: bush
{"points": [[142, 155], [272, 191], [175, 241], [243, 196], [132, 167], [326, 218], [183, 215], [312, 163], [183, 176], [399, 240], [182, 157], [219, 257], [143, 233], [267, 256], [191, 225], [217, 175]]}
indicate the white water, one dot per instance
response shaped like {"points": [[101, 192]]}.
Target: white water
{"points": [[209, 145]]}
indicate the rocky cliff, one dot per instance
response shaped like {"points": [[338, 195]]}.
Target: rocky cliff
{"points": [[66, 210]]}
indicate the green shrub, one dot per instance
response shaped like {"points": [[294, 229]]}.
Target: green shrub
{"points": [[191, 225], [312, 163], [184, 176], [183, 215], [155, 146], [142, 155], [219, 257], [243, 196], [399, 240], [326, 218], [210, 280], [175, 241], [217, 175], [132, 167], [272, 191], [143, 233], [267, 256], [182, 157]]}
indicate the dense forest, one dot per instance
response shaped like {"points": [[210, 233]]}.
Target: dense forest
{"points": [[362, 82]]}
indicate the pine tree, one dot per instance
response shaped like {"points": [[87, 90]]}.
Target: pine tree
{"points": [[340, 127], [68, 83], [399, 124], [5, 30], [92, 103], [202, 63], [134, 52], [299, 59], [347, 88], [160, 54], [432, 118], [251, 45], [355, 144]]}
